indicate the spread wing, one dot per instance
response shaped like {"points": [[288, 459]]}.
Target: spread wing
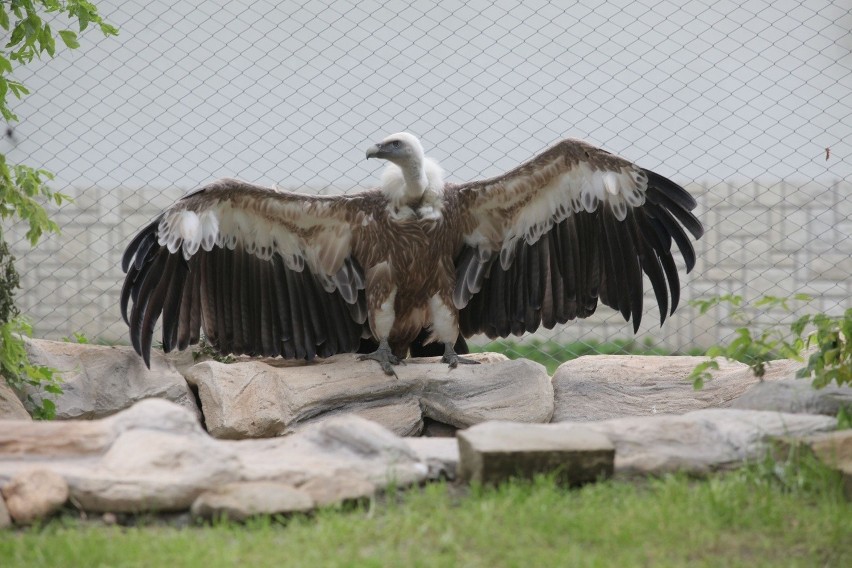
{"points": [[262, 272], [544, 242]]}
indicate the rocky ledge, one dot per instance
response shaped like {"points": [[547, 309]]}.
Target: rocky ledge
{"points": [[270, 437]]}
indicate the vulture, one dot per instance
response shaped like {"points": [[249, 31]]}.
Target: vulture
{"points": [[265, 272]]}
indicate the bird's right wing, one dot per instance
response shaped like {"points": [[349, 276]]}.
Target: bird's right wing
{"points": [[261, 271]]}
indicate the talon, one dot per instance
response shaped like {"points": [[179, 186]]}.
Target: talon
{"points": [[384, 357], [453, 359]]}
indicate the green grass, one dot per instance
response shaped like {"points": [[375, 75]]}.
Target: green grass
{"points": [[551, 354], [748, 518]]}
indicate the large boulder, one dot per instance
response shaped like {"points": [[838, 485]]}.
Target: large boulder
{"points": [[600, 387], [99, 380], [255, 399], [155, 456]]}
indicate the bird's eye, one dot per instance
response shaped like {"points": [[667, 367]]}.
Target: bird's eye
{"points": [[395, 143]]}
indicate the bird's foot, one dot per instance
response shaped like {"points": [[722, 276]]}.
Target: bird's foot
{"points": [[385, 357], [454, 359]]}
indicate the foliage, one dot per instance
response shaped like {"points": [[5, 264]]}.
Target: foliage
{"points": [[830, 361], [22, 188], [755, 517], [77, 337], [19, 372], [206, 351], [31, 36]]}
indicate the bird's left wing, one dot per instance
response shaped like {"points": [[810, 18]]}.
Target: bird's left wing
{"points": [[545, 241], [263, 272]]}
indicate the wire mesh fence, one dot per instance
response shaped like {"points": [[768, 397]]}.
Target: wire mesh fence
{"points": [[747, 104]]}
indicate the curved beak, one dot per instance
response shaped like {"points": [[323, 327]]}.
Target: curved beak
{"points": [[375, 151]]}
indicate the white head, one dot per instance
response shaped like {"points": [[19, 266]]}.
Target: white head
{"points": [[410, 173], [402, 148]]}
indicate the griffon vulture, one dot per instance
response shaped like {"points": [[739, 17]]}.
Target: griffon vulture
{"points": [[266, 273]]}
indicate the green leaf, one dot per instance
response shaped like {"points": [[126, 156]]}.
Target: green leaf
{"points": [[17, 35], [69, 38]]}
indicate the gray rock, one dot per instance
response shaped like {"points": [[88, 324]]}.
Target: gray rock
{"points": [[155, 456], [494, 452], [34, 494], [700, 441], [696, 442], [255, 399], [325, 491], [99, 380], [240, 501], [795, 395], [834, 449], [11, 407], [5, 519], [600, 387], [441, 455]]}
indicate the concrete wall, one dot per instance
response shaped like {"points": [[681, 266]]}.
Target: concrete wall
{"points": [[774, 239]]}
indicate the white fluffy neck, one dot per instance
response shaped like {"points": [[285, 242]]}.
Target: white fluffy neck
{"points": [[413, 184]]}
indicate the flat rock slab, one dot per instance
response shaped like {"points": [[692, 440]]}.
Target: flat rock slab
{"points": [[99, 380], [155, 456], [600, 387], [795, 395], [255, 399], [495, 452]]}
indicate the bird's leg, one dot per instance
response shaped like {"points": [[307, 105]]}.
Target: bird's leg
{"points": [[453, 358], [385, 358]]}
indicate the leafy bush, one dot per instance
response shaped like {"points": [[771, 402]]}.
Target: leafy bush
{"points": [[22, 188], [831, 359]]}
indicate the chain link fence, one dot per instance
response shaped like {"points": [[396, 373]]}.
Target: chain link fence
{"points": [[747, 104]]}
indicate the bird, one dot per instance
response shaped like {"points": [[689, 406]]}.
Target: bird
{"points": [[267, 272]]}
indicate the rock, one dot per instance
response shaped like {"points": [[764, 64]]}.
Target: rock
{"points": [[256, 399], [346, 448], [240, 501], [700, 441], [495, 452], [696, 442], [155, 456], [99, 380], [600, 387], [325, 491], [441, 455], [795, 395], [11, 407], [35, 494], [834, 449], [5, 519]]}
